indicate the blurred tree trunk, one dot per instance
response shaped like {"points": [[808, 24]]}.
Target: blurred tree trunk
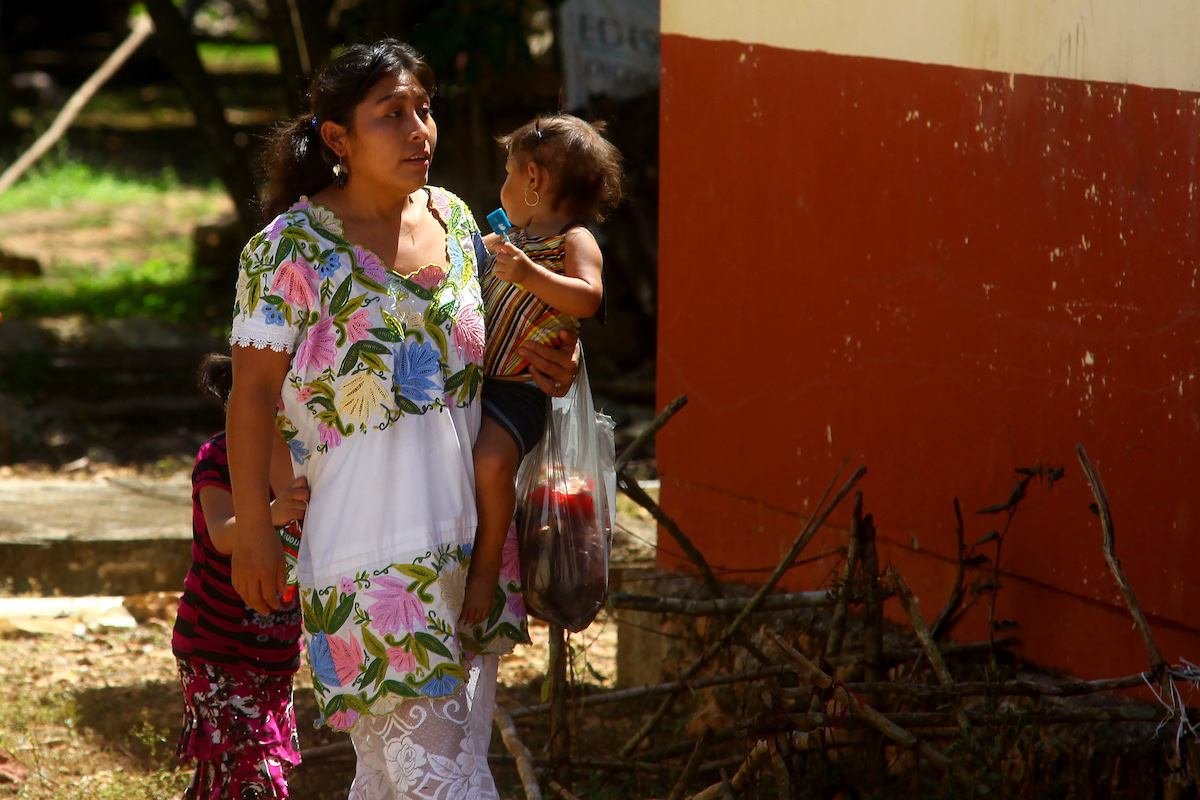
{"points": [[293, 58], [177, 48]]}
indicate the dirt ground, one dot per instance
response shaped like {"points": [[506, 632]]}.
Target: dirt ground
{"points": [[89, 712]]}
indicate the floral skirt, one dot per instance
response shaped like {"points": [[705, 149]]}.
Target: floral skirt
{"points": [[240, 729]]}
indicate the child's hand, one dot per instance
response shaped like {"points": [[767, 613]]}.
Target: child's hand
{"points": [[291, 504], [511, 263], [481, 589], [491, 241]]}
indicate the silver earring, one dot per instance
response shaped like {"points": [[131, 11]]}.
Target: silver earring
{"points": [[341, 175], [537, 197]]}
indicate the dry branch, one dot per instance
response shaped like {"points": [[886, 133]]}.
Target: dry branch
{"points": [[980, 688], [724, 605], [876, 720], [139, 33], [560, 790], [753, 762], [938, 719], [693, 764], [640, 441], [806, 535], [837, 623], [508, 732]]}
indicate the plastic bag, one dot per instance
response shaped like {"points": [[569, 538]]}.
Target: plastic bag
{"points": [[567, 488]]}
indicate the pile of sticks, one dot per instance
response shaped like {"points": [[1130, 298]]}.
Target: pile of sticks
{"points": [[902, 726]]}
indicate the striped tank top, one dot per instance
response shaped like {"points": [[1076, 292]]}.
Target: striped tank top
{"points": [[515, 316]]}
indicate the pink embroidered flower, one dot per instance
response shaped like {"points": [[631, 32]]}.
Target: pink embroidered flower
{"points": [[401, 660], [510, 566], [297, 280], [441, 203], [347, 586], [429, 277], [331, 437], [343, 720], [318, 350], [356, 326], [469, 333], [347, 658], [516, 604], [369, 263], [277, 228], [395, 607], [304, 395]]}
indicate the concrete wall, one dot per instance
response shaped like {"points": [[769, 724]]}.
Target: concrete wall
{"points": [[945, 240]]}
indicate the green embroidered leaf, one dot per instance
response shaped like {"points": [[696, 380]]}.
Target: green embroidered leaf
{"points": [[373, 645], [392, 322], [416, 571], [323, 402], [402, 689], [307, 612], [432, 643], [373, 361], [253, 295], [342, 613], [367, 282], [438, 336], [421, 654], [355, 702], [340, 296], [351, 358], [404, 404], [373, 673], [318, 611], [336, 703], [349, 308], [416, 288], [499, 601], [284, 250], [387, 334], [457, 379]]}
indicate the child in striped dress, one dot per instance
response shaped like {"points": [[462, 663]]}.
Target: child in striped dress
{"points": [[235, 665], [562, 173]]}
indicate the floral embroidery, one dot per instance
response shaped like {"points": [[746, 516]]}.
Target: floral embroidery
{"points": [[298, 282], [469, 333], [429, 277], [415, 365], [397, 607], [317, 350]]}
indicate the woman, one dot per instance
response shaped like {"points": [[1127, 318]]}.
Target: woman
{"points": [[358, 315]]}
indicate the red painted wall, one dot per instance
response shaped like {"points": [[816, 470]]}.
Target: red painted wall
{"points": [[943, 274]]}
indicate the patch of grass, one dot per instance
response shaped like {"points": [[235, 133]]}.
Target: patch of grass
{"points": [[65, 184], [220, 57], [160, 288]]}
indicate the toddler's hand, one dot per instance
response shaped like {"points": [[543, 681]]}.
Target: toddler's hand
{"points": [[491, 241], [291, 504], [511, 263], [477, 601]]}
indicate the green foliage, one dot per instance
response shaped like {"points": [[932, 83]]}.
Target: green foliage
{"points": [[66, 184], [230, 58]]}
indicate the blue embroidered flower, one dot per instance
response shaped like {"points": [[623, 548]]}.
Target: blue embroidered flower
{"points": [[414, 364], [321, 660], [326, 267], [454, 251], [299, 451], [439, 686], [273, 315]]}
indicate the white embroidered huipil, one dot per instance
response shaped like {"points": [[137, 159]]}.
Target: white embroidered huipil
{"points": [[380, 411]]}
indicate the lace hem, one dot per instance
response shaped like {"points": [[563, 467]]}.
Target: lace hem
{"points": [[281, 342]]}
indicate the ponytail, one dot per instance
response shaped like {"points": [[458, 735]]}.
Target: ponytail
{"points": [[297, 161], [215, 376]]}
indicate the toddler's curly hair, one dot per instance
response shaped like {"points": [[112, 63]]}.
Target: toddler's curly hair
{"points": [[584, 166]]}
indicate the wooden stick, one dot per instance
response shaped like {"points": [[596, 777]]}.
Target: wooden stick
{"points": [[1157, 663], [876, 720], [911, 607], [640, 441], [947, 649], [945, 619], [508, 732], [806, 534], [938, 719], [753, 762], [560, 730], [656, 689], [1005, 689], [712, 608], [837, 624], [560, 790], [139, 33], [693, 764], [597, 764]]}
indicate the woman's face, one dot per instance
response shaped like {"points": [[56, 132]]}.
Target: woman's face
{"points": [[391, 144]]}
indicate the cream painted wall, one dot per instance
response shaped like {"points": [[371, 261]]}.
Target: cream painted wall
{"points": [[1144, 42]]}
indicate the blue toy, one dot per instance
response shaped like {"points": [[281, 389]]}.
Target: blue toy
{"points": [[499, 222]]}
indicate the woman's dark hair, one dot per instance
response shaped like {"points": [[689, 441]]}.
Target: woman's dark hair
{"points": [[297, 162], [585, 167], [215, 376]]}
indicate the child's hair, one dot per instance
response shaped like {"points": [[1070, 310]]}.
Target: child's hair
{"points": [[215, 376], [585, 167], [297, 161]]}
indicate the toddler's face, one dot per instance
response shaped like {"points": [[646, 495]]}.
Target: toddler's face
{"points": [[512, 193]]}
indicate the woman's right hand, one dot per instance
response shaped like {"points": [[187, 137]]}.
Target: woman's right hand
{"points": [[553, 368], [291, 504]]}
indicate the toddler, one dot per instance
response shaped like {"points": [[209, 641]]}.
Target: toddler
{"points": [[562, 173], [236, 665]]}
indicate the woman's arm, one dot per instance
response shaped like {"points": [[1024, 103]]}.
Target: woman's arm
{"points": [[290, 503], [553, 368], [577, 293], [257, 554]]}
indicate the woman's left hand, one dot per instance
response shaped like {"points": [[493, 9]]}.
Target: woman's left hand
{"points": [[553, 368]]}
